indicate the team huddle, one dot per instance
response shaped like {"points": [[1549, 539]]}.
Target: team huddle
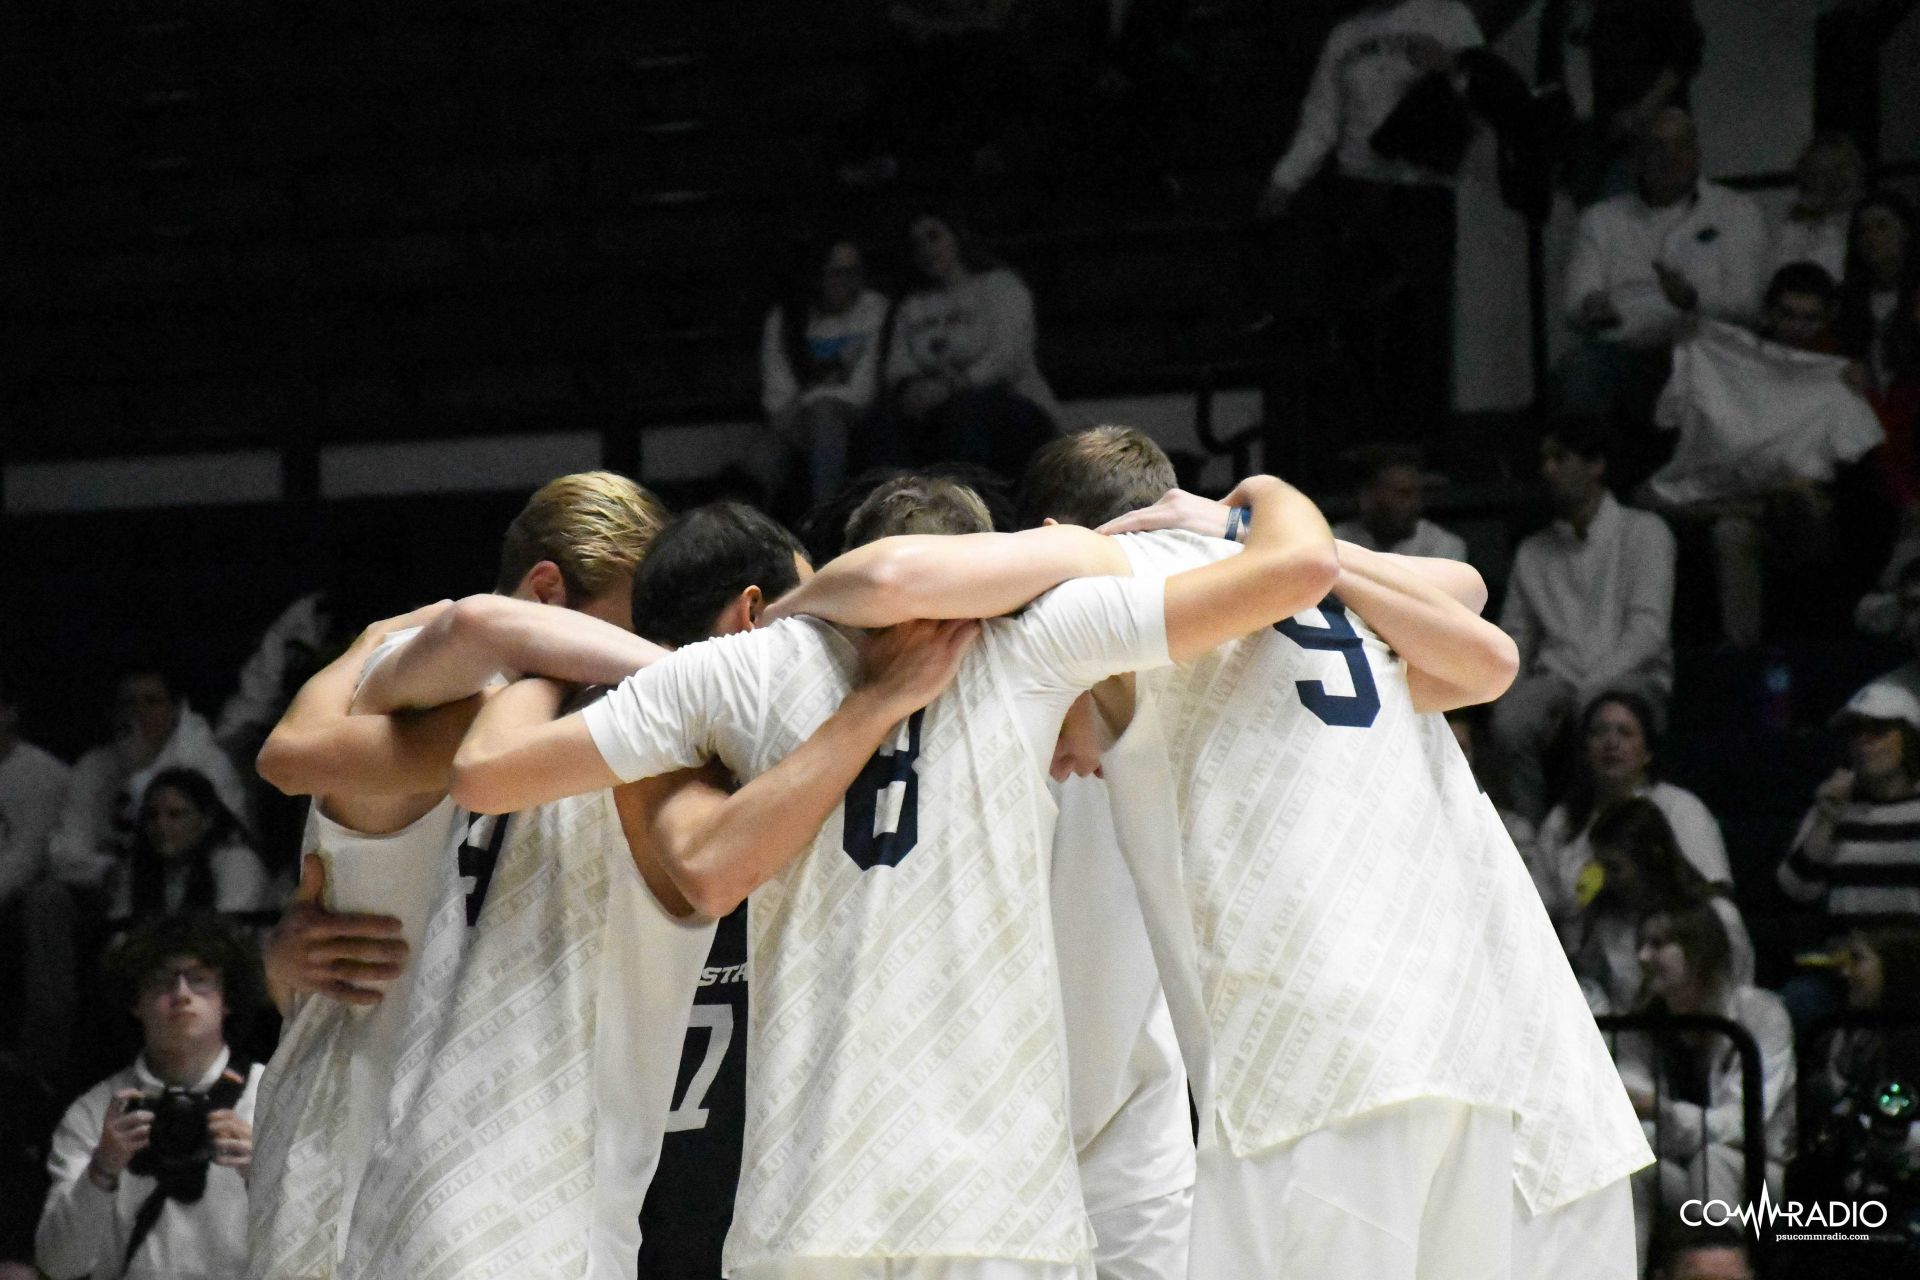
{"points": [[1040, 834]]}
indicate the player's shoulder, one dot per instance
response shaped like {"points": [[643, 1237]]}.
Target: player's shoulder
{"points": [[1163, 552]]}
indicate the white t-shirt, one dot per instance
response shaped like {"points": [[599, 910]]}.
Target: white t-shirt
{"points": [[906, 1074], [1754, 415], [1127, 1087], [1340, 918]]}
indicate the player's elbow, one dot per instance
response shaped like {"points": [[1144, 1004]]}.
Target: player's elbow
{"points": [[482, 781], [285, 764], [1499, 663], [710, 895], [1304, 577]]}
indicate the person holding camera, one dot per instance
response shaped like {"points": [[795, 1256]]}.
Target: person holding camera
{"points": [[149, 1166]]}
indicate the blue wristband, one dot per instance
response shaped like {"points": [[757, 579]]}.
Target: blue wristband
{"points": [[1239, 520]]}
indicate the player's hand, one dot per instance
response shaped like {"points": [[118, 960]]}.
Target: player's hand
{"points": [[1177, 509], [232, 1140], [1678, 289], [1596, 311], [122, 1133], [909, 665], [336, 954], [1077, 752]]}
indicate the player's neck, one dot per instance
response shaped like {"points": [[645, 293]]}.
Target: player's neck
{"points": [[184, 1065]]}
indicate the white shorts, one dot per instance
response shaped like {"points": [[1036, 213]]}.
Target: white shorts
{"points": [[909, 1269], [1420, 1190], [1144, 1241]]}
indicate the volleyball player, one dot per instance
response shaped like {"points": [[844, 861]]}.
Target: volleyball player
{"points": [[906, 1103]]}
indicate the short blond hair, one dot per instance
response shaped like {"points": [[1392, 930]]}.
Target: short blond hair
{"points": [[594, 525], [917, 504]]}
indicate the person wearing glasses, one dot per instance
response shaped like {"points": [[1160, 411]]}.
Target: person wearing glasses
{"points": [[149, 1166]]}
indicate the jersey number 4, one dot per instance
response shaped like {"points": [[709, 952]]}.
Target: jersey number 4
{"points": [[1354, 710], [882, 821]]}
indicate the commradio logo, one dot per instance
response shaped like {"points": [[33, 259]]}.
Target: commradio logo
{"points": [[1838, 1218]]}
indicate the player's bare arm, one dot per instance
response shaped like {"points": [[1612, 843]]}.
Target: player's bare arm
{"points": [[969, 575], [318, 747], [465, 646], [1289, 564], [1454, 657], [512, 759]]}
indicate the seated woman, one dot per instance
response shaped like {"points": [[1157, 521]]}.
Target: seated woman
{"points": [[820, 360], [1638, 870], [190, 854], [1856, 858], [1687, 1085], [962, 382], [1618, 763]]}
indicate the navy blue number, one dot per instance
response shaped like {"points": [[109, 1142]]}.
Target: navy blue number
{"points": [[1354, 710], [882, 821], [479, 851]]}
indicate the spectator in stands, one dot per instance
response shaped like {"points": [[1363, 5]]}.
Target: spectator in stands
{"points": [[1392, 501], [1830, 178], [1702, 1253], [1637, 869], [1393, 218], [820, 361], [1766, 425], [143, 1194], [1688, 1084], [1590, 604], [1643, 261], [1622, 62], [1895, 612], [190, 855], [961, 375], [1878, 321], [154, 729], [1857, 853], [1619, 763], [1882, 971]]}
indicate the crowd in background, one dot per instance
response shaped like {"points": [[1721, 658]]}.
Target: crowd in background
{"points": [[1735, 413]]}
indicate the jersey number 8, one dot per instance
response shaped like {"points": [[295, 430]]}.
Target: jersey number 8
{"points": [[882, 822]]}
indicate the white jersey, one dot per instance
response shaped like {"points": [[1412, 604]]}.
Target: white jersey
{"points": [[1358, 929], [539, 1061], [323, 1097], [906, 1075], [1126, 1085]]}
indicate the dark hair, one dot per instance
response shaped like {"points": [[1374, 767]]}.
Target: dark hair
{"points": [[703, 559], [1375, 460], [1092, 476], [1675, 1243], [1638, 829], [1583, 795], [1855, 324], [917, 504], [1586, 436], [1803, 277], [798, 292], [206, 938], [1698, 930], [974, 255], [149, 869]]}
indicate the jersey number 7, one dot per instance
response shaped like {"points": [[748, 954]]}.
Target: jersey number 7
{"points": [[882, 822], [1354, 710]]}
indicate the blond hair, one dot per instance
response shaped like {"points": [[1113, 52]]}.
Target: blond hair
{"points": [[593, 525], [917, 504]]}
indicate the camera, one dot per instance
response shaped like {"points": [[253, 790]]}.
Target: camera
{"points": [[179, 1141]]}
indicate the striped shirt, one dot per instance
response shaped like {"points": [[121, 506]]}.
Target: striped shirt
{"points": [[1872, 867]]}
